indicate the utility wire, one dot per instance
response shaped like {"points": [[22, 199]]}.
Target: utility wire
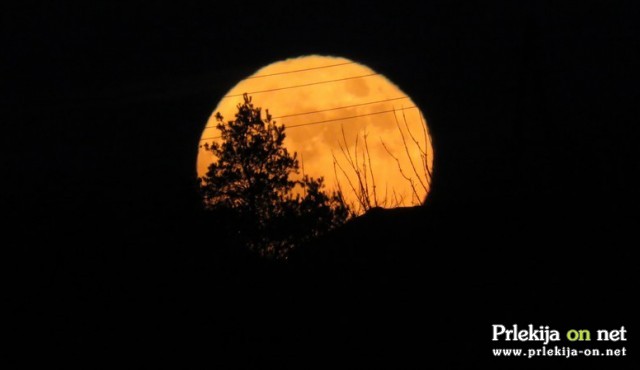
{"points": [[303, 85], [344, 107], [327, 121], [298, 70], [346, 118], [332, 109]]}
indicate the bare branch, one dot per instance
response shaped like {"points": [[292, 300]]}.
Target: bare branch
{"points": [[365, 188], [406, 124], [362, 183], [335, 161], [338, 185], [386, 193], [427, 140], [346, 147], [413, 188], [373, 179], [406, 148], [304, 188], [361, 189]]}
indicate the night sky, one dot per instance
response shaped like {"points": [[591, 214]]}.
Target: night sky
{"points": [[533, 113]]}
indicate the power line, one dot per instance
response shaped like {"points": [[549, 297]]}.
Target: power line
{"points": [[332, 109], [298, 70], [345, 118], [344, 107], [304, 85], [328, 120]]}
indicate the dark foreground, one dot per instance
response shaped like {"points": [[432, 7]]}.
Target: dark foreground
{"points": [[399, 289]]}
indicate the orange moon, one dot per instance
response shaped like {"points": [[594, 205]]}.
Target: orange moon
{"points": [[348, 124]]}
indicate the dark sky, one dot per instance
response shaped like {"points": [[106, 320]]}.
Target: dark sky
{"points": [[533, 106], [525, 101]]}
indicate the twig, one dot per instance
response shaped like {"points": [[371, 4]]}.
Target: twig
{"points": [[406, 148], [413, 188], [427, 140], [373, 179], [335, 161]]}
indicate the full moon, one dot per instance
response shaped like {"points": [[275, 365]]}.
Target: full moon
{"points": [[346, 122]]}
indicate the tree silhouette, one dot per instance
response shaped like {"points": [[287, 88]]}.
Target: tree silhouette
{"points": [[251, 179]]}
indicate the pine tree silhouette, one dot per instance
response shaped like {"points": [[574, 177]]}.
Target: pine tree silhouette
{"points": [[251, 179]]}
